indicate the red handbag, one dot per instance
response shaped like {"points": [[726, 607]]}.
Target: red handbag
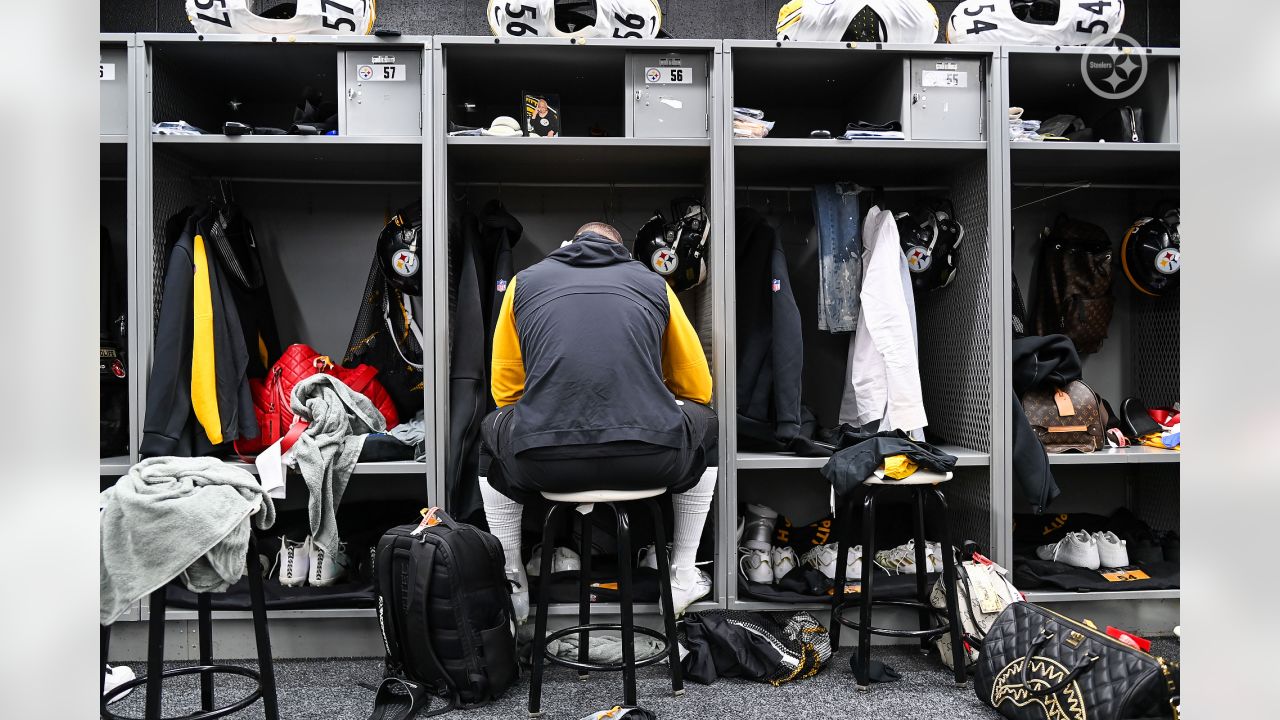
{"points": [[271, 398]]}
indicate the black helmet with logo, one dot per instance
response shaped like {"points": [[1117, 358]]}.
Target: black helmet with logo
{"points": [[677, 250], [400, 250], [930, 238], [1151, 253]]}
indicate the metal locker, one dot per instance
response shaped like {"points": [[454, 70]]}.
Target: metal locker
{"points": [[381, 91], [948, 99], [113, 74], [668, 95]]}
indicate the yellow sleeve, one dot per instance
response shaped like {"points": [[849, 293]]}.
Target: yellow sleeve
{"points": [[684, 365], [507, 367], [204, 377]]}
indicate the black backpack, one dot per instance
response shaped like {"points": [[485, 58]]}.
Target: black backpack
{"points": [[444, 606]]}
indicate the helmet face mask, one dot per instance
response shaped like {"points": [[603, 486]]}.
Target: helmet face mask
{"points": [[676, 250], [898, 21], [930, 238], [400, 251]]}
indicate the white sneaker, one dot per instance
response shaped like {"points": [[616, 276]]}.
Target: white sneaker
{"points": [[648, 556], [562, 560], [519, 580], [1112, 551], [755, 565], [294, 560], [688, 585], [784, 560], [823, 559], [328, 566], [1077, 549], [117, 676], [757, 531], [902, 559]]}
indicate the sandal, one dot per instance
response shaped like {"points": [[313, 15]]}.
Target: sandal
{"points": [[399, 699]]}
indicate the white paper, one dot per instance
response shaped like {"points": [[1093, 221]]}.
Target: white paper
{"points": [[271, 471], [671, 102], [380, 73], [106, 72], [942, 78]]}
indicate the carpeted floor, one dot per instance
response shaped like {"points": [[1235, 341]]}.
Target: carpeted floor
{"points": [[329, 690]]}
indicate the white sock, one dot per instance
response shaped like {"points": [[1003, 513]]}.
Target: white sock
{"points": [[503, 515], [690, 508]]}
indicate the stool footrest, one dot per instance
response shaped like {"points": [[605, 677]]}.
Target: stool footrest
{"points": [[943, 628], [235, 707], [606, 667]]}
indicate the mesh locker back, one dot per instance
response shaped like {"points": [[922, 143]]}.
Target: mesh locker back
{"points": [[954, 326], [373, 344], [173, 189], [1156, 350]]}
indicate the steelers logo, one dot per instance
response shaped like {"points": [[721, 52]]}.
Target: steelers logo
{"points": [[1114, 66], [918, 259], [664, 261], [405, 263], [1168, 261], [653, 75]]}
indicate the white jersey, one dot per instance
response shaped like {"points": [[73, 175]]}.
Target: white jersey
{"points": [[537, 18], [993, 22], [313, 17], [905, 21]]}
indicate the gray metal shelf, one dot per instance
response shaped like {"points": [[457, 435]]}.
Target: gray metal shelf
{"points": [[300, 157], [118, 465], [1053, 596], [1034, 163], [572, 160], [786, 461], [1118, 456], [805, 161]]}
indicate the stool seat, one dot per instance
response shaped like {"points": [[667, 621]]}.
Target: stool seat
{"points": [[604, 496], [923, 476]]}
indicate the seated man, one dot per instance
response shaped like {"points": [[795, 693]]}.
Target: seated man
{"points": [[601, 384]]}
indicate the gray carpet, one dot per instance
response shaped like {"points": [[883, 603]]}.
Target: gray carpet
{"points": [[328, 690]]}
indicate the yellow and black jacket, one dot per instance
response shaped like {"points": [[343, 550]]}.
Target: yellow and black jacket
{"points": [[199, 365], [592, 347]]}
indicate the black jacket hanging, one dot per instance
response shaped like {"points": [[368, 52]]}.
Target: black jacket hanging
{"points": [[468, 374], [230, 237], [770, 340], [170, 426], [499, 233], [1037, 361]]}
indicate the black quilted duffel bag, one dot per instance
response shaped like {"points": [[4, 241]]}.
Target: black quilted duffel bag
{"points": [[1038, 665]]}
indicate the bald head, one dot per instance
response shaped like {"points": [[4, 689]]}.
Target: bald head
{"points": [[600, 228]]}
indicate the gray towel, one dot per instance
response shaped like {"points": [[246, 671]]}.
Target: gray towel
{"points": [[176, 517], [329, 448], [604, 648]]}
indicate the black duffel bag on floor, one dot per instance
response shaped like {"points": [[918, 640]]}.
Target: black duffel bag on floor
{"points": [[1038, 665], [445, 610]]}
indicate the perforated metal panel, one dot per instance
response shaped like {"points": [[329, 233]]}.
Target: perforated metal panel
{"points": [[172, 189], [954, 327], [969, 498], [1156, 344], [1157, 496]]}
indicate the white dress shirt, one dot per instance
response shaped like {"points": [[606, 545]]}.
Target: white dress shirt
{"points": [[884, 368]]}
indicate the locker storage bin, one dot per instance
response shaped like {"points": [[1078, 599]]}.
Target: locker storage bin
{"points": [[376, 85], [937, 93], [554, 185], [602, 84]]}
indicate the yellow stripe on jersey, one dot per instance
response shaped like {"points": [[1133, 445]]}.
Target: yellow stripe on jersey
{"points": [[684, 365], [204, 375]]}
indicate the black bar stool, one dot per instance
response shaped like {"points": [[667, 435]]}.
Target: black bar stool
{"points": [[584, 503], [922, 484], [264, 676]]}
